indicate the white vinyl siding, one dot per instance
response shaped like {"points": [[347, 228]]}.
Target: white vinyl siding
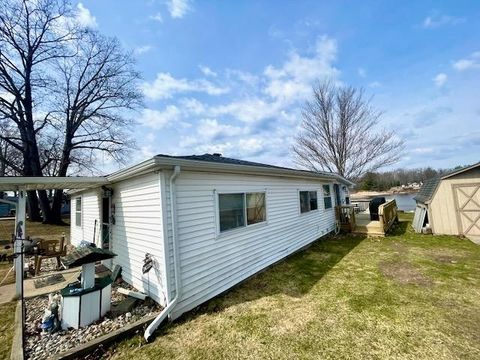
{"points": [[138, 230], [211, 262], [90, 211]]}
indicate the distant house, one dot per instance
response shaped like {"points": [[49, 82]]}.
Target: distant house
{"points": [[207, 221], [450, 204]]}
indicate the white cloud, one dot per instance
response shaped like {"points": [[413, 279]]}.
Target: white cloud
{"points": [[157, 17], [85, 18], [142, 49], [471, 62], [157, 120], [178, 8], [293, 80], [440, 79], [423, 150], [362, 72], [165, 86], [211, 129], [248, 110], [192, 106], [207, 71], [437, 20]]}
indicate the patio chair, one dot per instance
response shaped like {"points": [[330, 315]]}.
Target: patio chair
{"points": [[49, 249]]}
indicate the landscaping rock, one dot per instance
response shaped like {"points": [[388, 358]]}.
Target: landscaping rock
{"points": [[41, 345]]}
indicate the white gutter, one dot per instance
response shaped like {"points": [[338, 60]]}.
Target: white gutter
{"points": [[176, 262]]}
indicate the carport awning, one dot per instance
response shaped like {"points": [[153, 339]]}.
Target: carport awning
{"points": [[12, 183]]}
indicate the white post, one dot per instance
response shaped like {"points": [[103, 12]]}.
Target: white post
{"points": [[19, 237], [88, 275]]}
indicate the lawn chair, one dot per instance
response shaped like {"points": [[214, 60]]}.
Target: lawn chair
{"points": [[49, 249]]}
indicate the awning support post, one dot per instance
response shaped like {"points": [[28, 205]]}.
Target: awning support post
{"points": [[19, 238]]}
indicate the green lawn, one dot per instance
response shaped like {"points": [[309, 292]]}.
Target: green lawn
{"points": [[406, 296], [33, 229], [7, 322]]}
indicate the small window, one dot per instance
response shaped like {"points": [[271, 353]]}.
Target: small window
{"points": [[78, 211], [327, 197], [232, 212], [255, 208], [240, 210], [308, 201]]}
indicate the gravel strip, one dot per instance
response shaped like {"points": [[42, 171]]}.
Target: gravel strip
{"points": [[41, 345]]}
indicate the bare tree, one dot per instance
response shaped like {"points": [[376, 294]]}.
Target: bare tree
{"points": [[97, 88], [32, 34], [339, 134], [65, 90]]}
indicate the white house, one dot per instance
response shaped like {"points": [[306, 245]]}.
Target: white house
{"points": [[208, 222]]}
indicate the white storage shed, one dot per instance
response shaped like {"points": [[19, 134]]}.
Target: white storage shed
{"points": [[450, 204]]}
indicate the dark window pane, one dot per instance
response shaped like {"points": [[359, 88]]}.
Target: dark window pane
{"points": [[347, 200], [326, 190], [304, 207], [313, 200], [255, 208], [231, 208], [78, 211], [328, 202]]}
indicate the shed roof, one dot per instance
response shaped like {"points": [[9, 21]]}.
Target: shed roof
{"points": [[427, 190], [429, 186]]}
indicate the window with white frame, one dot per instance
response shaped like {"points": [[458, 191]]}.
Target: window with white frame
{"points": [[241, 209], [327, 197], [308, 201], [78, 211]]}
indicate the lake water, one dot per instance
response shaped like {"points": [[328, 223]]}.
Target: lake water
{"points": [[405, 202]]}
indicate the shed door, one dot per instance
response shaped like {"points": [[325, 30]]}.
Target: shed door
{"points": [[419, 218], [467, 201]]}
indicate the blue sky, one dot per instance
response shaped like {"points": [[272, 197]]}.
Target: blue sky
{"points": [[232, 76]]}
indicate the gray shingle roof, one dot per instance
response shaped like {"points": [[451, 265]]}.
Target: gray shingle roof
{"points": [[218, 158], [428, 188]]}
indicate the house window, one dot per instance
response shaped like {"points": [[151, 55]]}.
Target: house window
{"points": [[308, 201], [241, 209], [327, 197], [256, 211], [78, 211]]}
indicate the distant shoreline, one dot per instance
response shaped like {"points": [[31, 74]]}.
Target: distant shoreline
{"points": [[370, 194]]}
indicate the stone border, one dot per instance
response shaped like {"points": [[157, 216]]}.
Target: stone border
{"points": [[92, 345], [17, 346]]}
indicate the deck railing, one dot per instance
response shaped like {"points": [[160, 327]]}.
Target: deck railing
{"points": [[345, 214], [387, 213]]}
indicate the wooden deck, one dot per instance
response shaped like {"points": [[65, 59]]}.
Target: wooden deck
{"points": [[360, 223]]}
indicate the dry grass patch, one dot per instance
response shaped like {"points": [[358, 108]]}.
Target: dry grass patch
{"points": [[343, 298], [404, 273], [7, 325]]}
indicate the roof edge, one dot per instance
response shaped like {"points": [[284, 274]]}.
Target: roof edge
{"points": [[208, 165], [459, 171]]}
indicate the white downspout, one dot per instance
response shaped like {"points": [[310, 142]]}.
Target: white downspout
{"points": [[168, 309]]}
